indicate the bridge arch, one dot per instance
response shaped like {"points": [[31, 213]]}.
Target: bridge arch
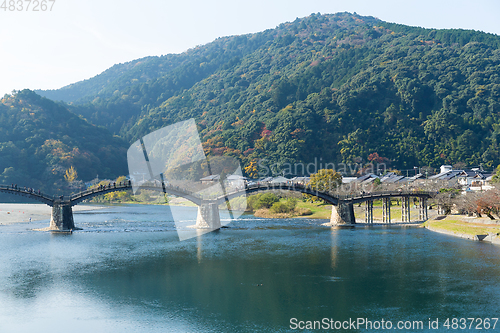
{"points": [[279, 186], [342, 205], [28, 193], [91, 193], [328, 197]]}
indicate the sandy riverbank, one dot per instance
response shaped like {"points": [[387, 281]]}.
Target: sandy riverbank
{"points": [[14, 213]]}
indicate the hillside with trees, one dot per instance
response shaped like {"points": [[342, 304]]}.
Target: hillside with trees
{"points": [[44, 146], [337, 87]]}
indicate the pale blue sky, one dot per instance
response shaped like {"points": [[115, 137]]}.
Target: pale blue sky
{"points": [[79, 39]]}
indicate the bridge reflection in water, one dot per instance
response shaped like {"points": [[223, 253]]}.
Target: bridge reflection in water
{"points": [[208, 207]]}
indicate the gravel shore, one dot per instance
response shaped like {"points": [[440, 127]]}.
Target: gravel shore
{"points": [[14, 213]]}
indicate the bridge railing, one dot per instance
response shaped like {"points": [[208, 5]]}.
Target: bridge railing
{"points": [[387, 193], [25, 190], [334, 194], [259, 185], [128, 185], [102, 188]]}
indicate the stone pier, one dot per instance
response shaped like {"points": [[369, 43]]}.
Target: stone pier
{"points": [[342, 214], [369, 211], [208, 216], [62, 217]]}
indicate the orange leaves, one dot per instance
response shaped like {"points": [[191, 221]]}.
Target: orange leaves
{"points": [[265, 133], [375, 158], [489, 202], [298, 133], [71, 175], [251, 169], [238, 122]]}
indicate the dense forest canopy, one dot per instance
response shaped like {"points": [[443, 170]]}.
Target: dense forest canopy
{"points": [[40, 140], [337, 87]]}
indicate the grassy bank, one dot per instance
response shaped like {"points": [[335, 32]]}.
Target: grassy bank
{"points": [[318, 211], [459, 224]]}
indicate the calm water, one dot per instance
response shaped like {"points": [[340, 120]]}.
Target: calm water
{"points": [[127, 272]]}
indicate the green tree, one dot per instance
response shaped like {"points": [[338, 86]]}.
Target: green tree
{"points": [[325, 180], [279, 207], [496, 176], [266, 200]]}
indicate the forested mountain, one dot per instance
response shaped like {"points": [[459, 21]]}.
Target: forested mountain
{"points": [[40, 140], [116, 97], [333, 87], [115, 78]]}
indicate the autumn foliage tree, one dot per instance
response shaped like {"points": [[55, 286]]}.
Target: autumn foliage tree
{"points": [[488, 203], [251, 169], [71, 175]]}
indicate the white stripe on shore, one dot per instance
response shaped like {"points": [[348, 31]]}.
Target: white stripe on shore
{"points": [[15, 213]]}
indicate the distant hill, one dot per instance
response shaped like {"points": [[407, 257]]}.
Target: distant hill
{"points": [[115, 78], [334, 87], [40, 140], [116, 97]]}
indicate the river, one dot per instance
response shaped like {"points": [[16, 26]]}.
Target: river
{"points": [[126, 271]]}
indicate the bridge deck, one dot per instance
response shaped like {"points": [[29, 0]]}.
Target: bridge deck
{"points": [[330, 197], [28, 193]]}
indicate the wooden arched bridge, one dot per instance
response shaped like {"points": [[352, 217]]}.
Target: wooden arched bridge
{"points": [[62, 213], [208, 212], [342, 205]]}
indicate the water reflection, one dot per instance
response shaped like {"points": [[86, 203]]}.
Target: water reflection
{"points": [[199, 248], [334, 247], [253, 276]]}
